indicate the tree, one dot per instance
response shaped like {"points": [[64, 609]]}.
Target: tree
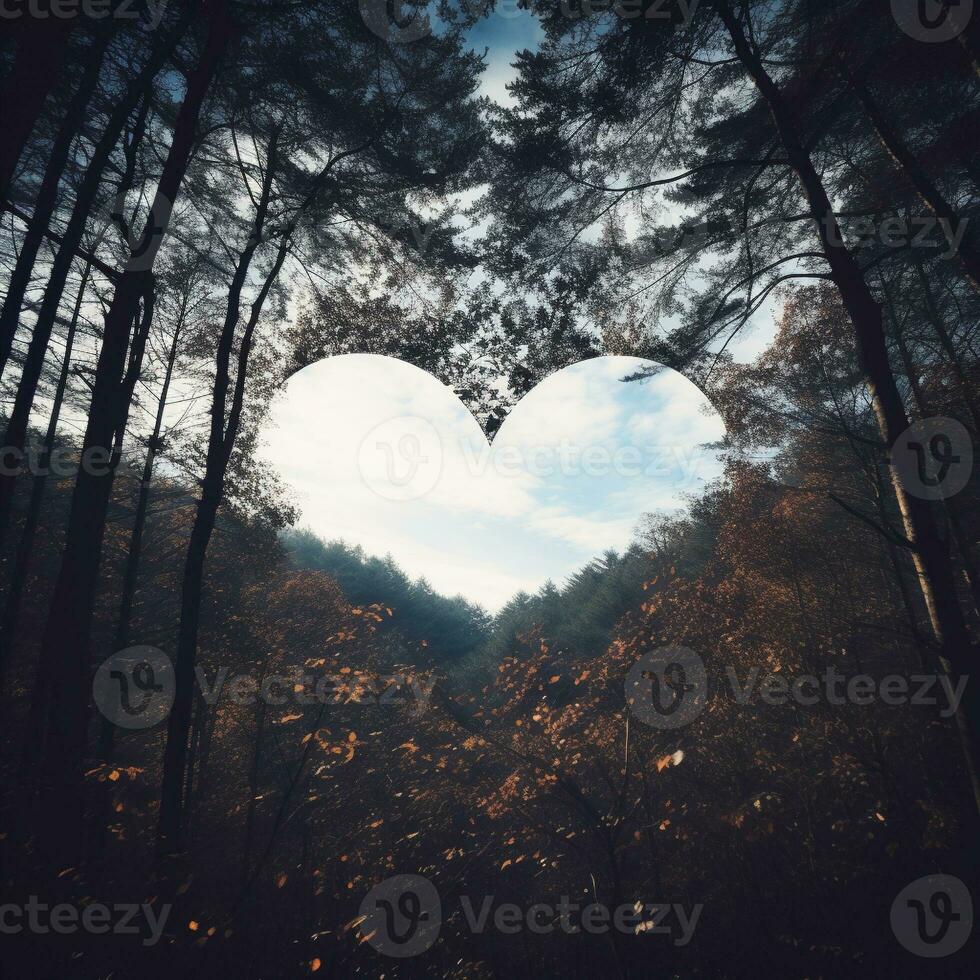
{"points": [[752, 167], [364, 169]]}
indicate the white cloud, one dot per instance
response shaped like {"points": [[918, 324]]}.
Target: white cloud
{"points": [[381, 454]]}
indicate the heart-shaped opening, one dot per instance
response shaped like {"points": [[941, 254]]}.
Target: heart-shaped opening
{"points": [[382, 456]]}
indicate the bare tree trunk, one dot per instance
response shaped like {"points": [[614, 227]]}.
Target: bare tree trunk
{"points": [[895, 557], [195, 742], [951, 507], [197, 763], [930, 553], [40, 703], [206, 730]]}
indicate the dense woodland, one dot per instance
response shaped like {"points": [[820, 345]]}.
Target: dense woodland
{"points": [[203, 197]]}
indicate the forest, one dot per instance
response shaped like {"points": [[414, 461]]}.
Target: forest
{"points": [[744, 744]]}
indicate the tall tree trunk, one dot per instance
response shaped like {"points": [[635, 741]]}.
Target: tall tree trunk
{"points": [[139, 524], [107, 731], [47, 196], [951, 507], [41, 49], [968, 391], [930, 552], [221, 443], [71, 239], [898, 565], [25, 547], [66, 639], [40, 701], [205, 729]]}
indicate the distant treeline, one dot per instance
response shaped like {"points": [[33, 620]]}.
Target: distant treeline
{"points": [[448, 628]]}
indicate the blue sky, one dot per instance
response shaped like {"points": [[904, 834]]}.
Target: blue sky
{"points": [[383, 455], [503, 33]]}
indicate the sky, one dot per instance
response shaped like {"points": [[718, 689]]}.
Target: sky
{"points": [[381, 454], [507, 30]]}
